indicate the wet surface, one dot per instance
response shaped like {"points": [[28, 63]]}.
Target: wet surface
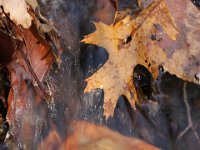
{"points": [[143, 82], [159, 120], [92, 58]]}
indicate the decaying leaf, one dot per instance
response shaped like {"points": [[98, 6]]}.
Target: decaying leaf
{"points": [[86, 136], [106, 12], [36, 63], [183, 54], [22, 12], [32, 3], [18, 11], [129, 42]]}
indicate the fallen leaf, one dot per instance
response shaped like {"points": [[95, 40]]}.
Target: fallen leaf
{"points": [[53, 141], [32, 3], [105, 10], [18, 11], [39, 59], [88, 136], [129, 42], [183, 54]]}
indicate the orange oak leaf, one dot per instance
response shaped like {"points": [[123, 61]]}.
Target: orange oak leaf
{"points": [[129, 42]]}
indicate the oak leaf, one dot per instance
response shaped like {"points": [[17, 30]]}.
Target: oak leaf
{"points": [[129, 42]]}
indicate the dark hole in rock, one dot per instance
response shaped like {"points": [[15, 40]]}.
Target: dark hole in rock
{"points": [[142, 80], [153, 37], [128, 40]]}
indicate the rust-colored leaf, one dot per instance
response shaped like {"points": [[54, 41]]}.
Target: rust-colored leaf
{"points": [[87, 136], [40, 59]]}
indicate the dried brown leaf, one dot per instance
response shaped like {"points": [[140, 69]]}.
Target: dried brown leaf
{"points": [[129, 43], [32, 3], [18, 11]]}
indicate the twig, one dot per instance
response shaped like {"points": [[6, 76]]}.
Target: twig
{"points": [[47, 96], [33, 72], [7, 16], [190, 123]]}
